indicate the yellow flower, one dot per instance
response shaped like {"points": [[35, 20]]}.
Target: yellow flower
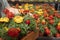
{"points": [[1, 20], [26, 4], [40, 10], [6, 28], [59, 23], [26, 8], [40, 13], [31, 7], [36, 11], [18, 19], [6, 19], [43, 20], [20, 6]]}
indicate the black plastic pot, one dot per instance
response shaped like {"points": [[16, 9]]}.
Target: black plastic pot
{"points": [[47, 38]]}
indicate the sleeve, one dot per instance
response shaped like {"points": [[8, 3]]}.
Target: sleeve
{"points": [[4, 5]]}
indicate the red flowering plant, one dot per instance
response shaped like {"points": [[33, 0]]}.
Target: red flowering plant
{"points": [[50, 23]]}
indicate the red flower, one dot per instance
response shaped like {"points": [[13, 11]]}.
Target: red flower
{"points": [[51, 21], [45, 15], [50, 17], [43, 22], [58, 27], [10, 15], [5, 11], [47, 31], [35, 16], [57, 34], [27, 22], [25, 11], [13, 32], [57, 15]]}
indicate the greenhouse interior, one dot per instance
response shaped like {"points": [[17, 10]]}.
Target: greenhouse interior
{"points": [[29, 19]]}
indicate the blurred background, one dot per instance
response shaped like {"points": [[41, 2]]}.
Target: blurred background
{"points": [[55, 3], [36, 0]]}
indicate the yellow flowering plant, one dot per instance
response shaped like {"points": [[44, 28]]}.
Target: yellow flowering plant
{"points": [[18, 19], [4, 19]]}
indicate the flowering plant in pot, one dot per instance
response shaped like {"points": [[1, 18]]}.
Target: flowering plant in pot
{"points": [[13, 26], [50, 22]]}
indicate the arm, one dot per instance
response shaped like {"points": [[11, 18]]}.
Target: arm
{"points": [[5, 3]]}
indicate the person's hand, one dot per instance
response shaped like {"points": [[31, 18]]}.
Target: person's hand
{"points": [[13, 10]]}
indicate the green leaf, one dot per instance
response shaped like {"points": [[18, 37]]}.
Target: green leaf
{"points": [[24, 28], [53, 29], [41, 28]]}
